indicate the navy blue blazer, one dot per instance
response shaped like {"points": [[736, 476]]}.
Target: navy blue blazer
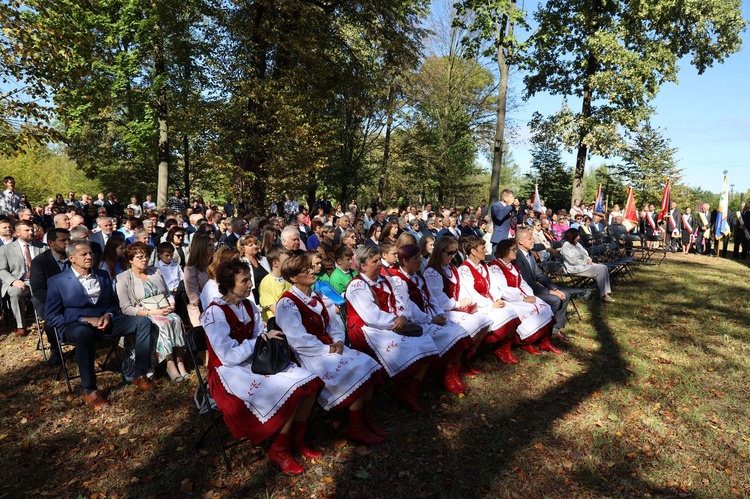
{"points": [[67, 302], [501, 221]]}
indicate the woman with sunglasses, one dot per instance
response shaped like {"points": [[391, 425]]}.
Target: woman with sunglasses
{"points": [[176, 236], [444, 285], [423, 309]]}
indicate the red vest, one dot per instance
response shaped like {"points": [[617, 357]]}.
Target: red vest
{"points": [[451, 289], [386, 302], [418, 294], [314, 323], [238, 330], [513, 280], [481, 283]]}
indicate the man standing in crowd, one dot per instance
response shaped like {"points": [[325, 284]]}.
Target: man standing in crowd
{"points": [[673, 228], [10, 200], [703, 242], [740, 232], [176, 204], [502, 212]]}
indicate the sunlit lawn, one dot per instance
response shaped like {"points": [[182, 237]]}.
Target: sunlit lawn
{"points": [[650, 398]]}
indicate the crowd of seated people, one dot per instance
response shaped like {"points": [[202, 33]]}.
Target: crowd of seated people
{"points": [[366, 298]]}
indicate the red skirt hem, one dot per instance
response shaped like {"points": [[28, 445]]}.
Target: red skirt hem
{"points": [[242, 422], [503, 332]]}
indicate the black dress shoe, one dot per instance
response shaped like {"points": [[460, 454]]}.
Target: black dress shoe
{"points": [[54, 357]]}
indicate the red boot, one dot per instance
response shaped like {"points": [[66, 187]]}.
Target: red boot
{"points": [[451, 381], [279, 454], [370, 421], [531, 349], [547, 345], [297, 439], [504, 354], [358, 431], [468, 368], [407, 394]]}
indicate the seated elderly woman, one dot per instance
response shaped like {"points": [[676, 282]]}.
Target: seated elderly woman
{"points": [[254, 405], [476, 285], [444, 286], [536, 316], [450, 338], [309, 321], [143, 292], [375, 318], [578, 262]]}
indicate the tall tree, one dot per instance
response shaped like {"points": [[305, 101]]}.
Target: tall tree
{"points": [[493, 21], [550, 173], [648, 163], [614, 55]]}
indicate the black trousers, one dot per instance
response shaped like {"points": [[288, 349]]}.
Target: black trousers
{"points": [[84, 336]]}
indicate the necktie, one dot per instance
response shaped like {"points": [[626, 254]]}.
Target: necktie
{"points": [[27, 256], [530, 257]]}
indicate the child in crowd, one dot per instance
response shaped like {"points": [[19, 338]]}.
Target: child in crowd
{"points": [[273, 285], [388, 257], [343, 273], [170, 270]]}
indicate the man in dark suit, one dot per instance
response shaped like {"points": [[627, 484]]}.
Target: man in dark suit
{"points": [[742, 219], [673, 228], [43, 267], [82, 305], [502, 212], [555, 296], [304, 230], [15, 270], [106, 227], [471, 229], [239, 229]]}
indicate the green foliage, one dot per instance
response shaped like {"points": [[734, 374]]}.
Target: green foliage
{"points": [[551, 174], [648, 164], [614, 56], [41, 173]]}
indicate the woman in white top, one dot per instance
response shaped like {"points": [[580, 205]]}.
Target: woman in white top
{"points": [[445, 287], [536, 316], [254, 405], [475, 284], [421, 308], [375, 315], [210, 290], [308, 320]]}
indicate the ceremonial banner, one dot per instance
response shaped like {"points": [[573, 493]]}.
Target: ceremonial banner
{"points": [[630, 215], [722, 224], [599, 202], [665, 201], [537, 201]]}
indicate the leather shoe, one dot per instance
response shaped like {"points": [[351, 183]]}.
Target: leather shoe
{"points": [[21, 332], [587, 295], [54, 357], [96, 400], [143, 383]]}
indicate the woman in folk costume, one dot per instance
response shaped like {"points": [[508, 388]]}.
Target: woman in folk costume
{"points": [[476, 284], [535, 315], [688, 224], [254, 405], [375, 316], [421, 308], [444, 286], [309, 323]]}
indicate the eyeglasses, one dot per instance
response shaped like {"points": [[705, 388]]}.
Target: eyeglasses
{"points": [[179, 235], [450, 253]]}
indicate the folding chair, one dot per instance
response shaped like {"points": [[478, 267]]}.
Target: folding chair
{"points": [[195, 341], [650, 252], [554, 269], [111, 343], [39, 328]]}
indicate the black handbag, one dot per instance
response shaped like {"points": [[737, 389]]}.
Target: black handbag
{"points": [[271, 355], [410, 330]]}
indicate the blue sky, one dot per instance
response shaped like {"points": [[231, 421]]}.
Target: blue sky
{"points": [[706, 117]]}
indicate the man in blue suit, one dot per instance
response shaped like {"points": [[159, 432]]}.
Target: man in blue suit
{"points": [[82, 305], [502, 212]]}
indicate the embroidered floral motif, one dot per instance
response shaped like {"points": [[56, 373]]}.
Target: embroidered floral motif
{"points": [[253, 386], [391, 345]]}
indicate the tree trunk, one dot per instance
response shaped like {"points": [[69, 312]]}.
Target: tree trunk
{"points": [[503, 67], [580, 170], [186, 170], [162, 185], [387, 145]]}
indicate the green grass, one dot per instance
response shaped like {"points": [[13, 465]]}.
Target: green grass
{"points": [[649, 399]]}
